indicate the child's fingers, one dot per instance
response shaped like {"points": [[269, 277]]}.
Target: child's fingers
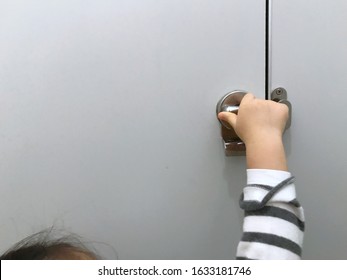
{"points": [[230, 118]]}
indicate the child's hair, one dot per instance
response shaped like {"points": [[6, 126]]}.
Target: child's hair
{"points": [[41, 246]]}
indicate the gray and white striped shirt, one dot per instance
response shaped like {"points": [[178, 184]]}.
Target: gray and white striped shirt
{"points": [[273, 226]]}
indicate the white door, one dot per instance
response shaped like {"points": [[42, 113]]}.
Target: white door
{"points": [[108, 126], [309, 59]]}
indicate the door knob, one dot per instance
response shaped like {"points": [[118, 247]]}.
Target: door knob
{"points": [[230, 102], [233, 145]]}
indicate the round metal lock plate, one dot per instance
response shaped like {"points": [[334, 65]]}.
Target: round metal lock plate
{"points": [[230, 103]]}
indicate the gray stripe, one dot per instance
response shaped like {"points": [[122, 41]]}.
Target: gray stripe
{"points": [[255, 205], [278, 213], [265, 187], [295, 203], [272, 239], [244, 259]]}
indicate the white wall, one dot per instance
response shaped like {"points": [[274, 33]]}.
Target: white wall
{"points": [[108, 126], [310, 61]]}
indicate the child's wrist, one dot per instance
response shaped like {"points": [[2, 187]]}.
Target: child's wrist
{"points": [[266, 154]]}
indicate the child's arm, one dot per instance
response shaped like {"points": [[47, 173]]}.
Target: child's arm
{"points": [[274, 222]]}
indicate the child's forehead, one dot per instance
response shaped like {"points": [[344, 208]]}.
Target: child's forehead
{"points": [[82, 256], [69, 253], [72, 256]]}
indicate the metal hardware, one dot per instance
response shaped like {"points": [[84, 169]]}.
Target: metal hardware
{"points": [[280, 95], [230, 102]]}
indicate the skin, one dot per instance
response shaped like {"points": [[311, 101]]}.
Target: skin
{"points": [[260, 125]]}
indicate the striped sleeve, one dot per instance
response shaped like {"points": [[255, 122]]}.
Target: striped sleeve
{"points": [[273, 226]]}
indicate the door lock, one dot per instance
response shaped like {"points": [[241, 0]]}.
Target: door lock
{"points": [[230, 102]]}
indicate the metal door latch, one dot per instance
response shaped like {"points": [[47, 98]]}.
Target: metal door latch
{"points": [[230, 102]]}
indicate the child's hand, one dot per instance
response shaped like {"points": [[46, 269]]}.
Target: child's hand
{"points": [[257, 119], [260, 125]]}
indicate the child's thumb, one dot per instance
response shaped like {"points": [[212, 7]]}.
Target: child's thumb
{"points": [[230, 118]]}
